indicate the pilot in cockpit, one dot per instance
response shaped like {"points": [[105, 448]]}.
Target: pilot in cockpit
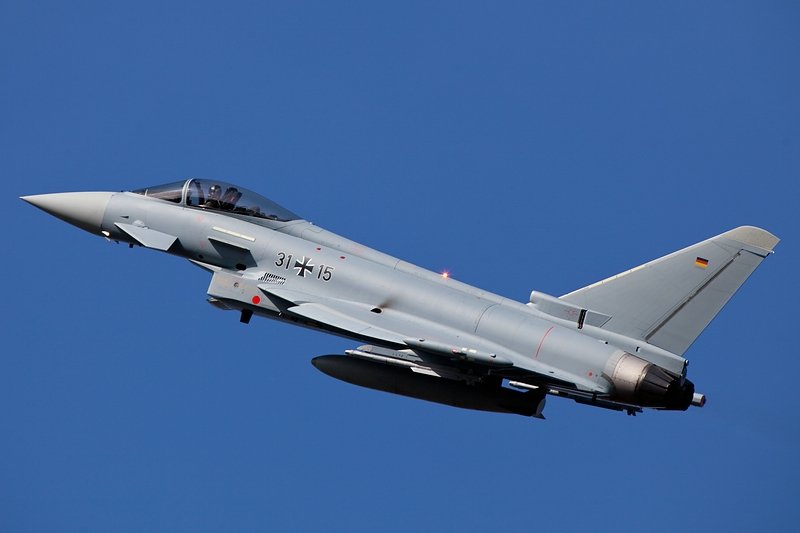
{"points": [[214, 195], [199, 193], [230, 198]]}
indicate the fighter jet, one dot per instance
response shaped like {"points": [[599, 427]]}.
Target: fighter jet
{"points": [[616, 344]]}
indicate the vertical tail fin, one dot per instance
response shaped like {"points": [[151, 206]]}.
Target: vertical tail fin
{"points": [[668, 302]]}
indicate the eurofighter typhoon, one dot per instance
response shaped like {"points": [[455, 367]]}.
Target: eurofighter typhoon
{"points": [[616, 344]]}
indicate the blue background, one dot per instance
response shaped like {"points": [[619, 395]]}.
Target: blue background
{"points": [[523, 145]]}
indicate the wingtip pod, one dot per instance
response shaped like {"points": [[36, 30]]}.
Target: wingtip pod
{"points": [[753, 236]]}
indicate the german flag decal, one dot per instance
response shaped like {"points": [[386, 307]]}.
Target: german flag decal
{"points": [[702, 263]]}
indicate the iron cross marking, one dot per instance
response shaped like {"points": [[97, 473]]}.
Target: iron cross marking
{"points": [[304, 267]]}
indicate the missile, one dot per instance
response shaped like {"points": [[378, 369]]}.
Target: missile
{"points": [[399, 379]]}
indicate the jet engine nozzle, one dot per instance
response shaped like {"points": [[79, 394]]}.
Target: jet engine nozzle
{"points": [[643, 383]]}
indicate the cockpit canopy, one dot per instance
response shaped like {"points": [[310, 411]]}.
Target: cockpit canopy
{"points": [[219, 196]]}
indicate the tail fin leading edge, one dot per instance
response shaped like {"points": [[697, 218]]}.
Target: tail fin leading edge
{"points": [[668, 302]]}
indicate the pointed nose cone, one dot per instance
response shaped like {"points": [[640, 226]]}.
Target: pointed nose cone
{"points": [[82, 209]]}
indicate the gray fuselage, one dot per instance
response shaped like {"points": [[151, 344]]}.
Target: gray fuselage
{"points": [[302, 257]]}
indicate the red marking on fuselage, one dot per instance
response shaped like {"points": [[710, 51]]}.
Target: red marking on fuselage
{"points": [[546, 333], [256, 299]]}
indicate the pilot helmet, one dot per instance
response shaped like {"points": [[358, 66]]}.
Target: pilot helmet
{"points": [[214, 191]]}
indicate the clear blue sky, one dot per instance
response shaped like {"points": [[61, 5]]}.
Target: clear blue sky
{"points": [[523, 145]]}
